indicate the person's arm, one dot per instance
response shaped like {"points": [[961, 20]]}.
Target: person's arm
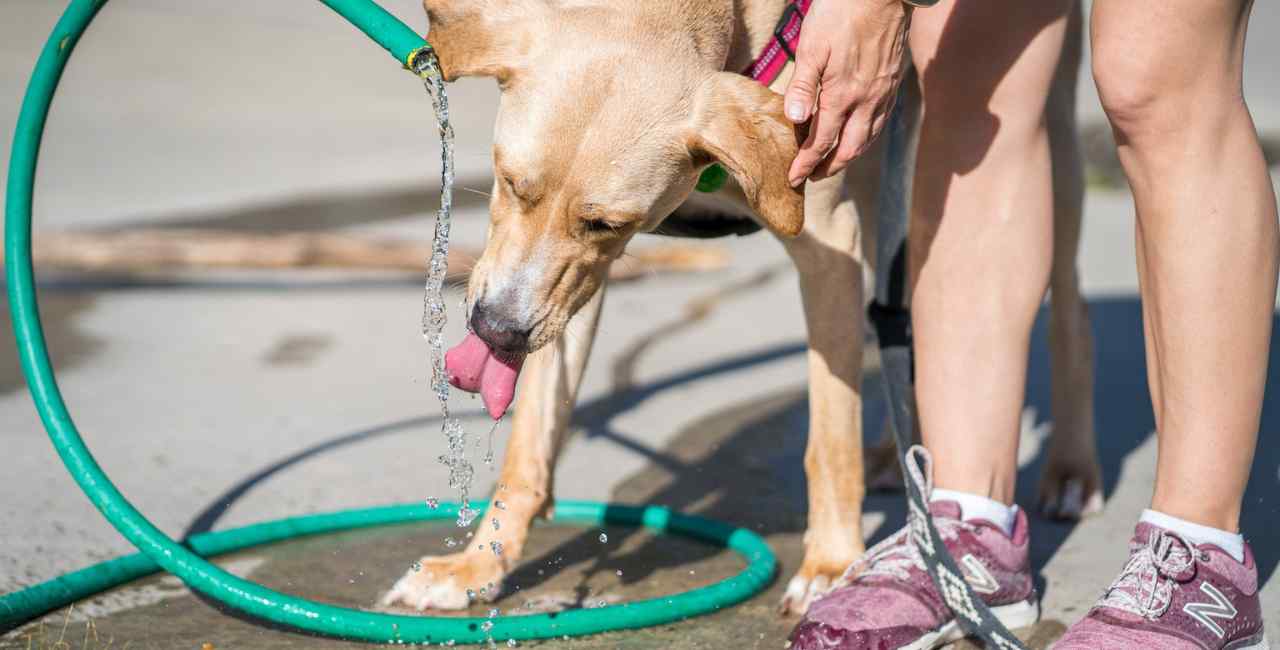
{"points": [[848, 65]]}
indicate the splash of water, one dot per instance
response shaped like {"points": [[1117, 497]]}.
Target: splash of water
{"points": [[427, 66]]}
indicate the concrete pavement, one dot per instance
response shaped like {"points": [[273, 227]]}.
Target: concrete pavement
{"points": [[223, 399]]}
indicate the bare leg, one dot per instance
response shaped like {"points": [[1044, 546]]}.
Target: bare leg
{"points": [[981, 230], [549, 389], [1169, 73], [1071, 485]]}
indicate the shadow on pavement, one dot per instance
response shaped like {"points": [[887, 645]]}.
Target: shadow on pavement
{"points": [[744, 464]]}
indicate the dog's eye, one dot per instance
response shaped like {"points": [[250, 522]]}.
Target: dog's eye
{"points": [[599, 226]]}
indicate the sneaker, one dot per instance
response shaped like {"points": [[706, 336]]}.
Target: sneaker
{"points": [[1173, 595], [888, 600]]}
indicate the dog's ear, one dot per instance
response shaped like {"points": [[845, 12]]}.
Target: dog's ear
{"points": [[740, 124], [477, 38]]}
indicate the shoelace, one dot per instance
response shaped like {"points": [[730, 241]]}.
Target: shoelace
{"points": [[897, 554], [1145, 586]]}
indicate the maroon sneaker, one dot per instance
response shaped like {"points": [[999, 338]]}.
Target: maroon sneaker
{"points": [[1173, 595], [887, 599]]}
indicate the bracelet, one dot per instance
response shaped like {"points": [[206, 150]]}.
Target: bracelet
{"points": [[920, 4]]}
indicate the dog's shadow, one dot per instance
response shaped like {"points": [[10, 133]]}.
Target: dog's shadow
{"points": [[744, 464]]}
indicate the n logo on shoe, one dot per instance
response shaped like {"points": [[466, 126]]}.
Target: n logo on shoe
{"points": [[978, 576], [1206, 612]]}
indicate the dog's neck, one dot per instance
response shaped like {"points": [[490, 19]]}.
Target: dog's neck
{"points": [[754, 21], [729, 34]]}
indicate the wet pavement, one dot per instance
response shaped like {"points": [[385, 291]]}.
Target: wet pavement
{"points": [[221, 399]]}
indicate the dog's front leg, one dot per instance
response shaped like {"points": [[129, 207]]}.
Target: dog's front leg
{"points": [[829, 260], [549, 387]]}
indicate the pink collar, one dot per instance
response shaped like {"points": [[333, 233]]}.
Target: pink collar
{"points": [[782, 46]]}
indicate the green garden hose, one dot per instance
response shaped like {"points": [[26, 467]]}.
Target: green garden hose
{"points": [[158, 551]]}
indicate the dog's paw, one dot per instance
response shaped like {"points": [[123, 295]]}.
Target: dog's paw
{"points": [[1070, 488], [448, 582], [811, 582]]}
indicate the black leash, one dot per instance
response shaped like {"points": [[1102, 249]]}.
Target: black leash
{"points": [[891, 317]]}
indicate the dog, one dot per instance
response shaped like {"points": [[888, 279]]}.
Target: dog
{"points": [[609, 111]]}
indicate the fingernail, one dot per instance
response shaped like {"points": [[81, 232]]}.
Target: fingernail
{"points": [[795, 111], [796, 181]]}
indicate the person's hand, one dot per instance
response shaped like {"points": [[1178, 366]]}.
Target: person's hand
{"points": [[848, 64]]}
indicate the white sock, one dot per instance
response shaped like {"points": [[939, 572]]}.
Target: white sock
{"points": [[974, 507], [1232, 543]]}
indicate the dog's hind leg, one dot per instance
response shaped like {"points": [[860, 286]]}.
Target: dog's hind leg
{"points": [[828, 257], [549, 387], [1071, 485]]}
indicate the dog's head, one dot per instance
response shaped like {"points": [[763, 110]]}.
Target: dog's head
{"points": [[607, 116]]}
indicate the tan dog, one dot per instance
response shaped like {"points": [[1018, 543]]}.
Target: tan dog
{"points": [[600, 141]]}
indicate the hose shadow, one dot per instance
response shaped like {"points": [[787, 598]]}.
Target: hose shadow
{"points": [[204, 521]]}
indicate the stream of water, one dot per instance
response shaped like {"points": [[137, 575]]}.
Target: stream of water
{"points": [[434, 317]]}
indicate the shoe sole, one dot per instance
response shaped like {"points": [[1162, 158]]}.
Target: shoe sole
{"points": [[1260, 645], [1013, 616]]}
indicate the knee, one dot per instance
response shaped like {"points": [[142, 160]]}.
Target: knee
{"points": [[1128, 92], [1146, 95]]}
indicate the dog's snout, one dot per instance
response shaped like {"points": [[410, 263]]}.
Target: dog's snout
{"points": [[499, 331]]}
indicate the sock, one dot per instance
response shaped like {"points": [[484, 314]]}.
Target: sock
{"points": [[1232, 543], [974, 507]]}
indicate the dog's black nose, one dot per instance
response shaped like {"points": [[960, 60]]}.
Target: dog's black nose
{"points": [[496, 330]]}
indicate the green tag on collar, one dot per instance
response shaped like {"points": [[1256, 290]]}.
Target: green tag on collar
{"points": [[713, 178]]}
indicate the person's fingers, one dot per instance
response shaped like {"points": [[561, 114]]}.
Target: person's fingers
{"points": [[860, 132], [802, 91], [877, 126], [852, 140], [824, 132]]}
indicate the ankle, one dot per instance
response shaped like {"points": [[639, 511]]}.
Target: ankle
{"points": [[975, 507], [1230, 542]]}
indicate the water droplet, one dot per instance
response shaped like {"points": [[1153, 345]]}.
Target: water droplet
{"points": [[604, 539], [471, 595], [619, 572], [486, 626], [496, 547], [500, 505], [416, 566], [493, 612], [496, 525], [511, 643], [466, 515], [433, 503], [450, 542], [601, 604]]}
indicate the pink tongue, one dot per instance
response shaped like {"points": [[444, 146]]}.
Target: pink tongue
{"points": [[473, 367]]}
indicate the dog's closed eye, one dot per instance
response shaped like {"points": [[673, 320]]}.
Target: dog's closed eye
{"points": [[601, 226], [596, 220]]}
